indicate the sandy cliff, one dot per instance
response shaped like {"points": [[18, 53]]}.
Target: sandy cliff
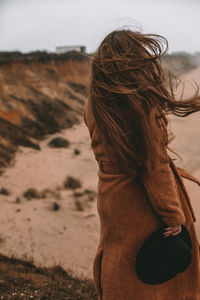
{"points": [[40, 93]]}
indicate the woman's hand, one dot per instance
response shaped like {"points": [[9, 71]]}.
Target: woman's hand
{"points": [[172, 230]]}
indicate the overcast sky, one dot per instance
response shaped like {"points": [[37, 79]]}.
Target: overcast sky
{"points": [[29, 25]]}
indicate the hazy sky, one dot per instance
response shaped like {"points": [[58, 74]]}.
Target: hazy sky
{"points": [[29, 25]]}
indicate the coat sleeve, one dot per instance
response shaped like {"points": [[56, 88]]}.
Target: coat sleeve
{"points": [[163, 193], [161, 188]]}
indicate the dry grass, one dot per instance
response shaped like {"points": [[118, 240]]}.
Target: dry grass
{"points": [[59, 142], [77, 151], [82, 198], [55, 206], [31, 193], [4, 191], [21, 279], [72, 183]]}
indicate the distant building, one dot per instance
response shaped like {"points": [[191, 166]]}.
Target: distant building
{"points": [[64, 49]]}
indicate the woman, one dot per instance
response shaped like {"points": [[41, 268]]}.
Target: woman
{"points": [[139, 187]]}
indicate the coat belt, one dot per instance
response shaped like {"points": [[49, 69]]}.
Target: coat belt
{"points": [[111, 168], [108, 167]]}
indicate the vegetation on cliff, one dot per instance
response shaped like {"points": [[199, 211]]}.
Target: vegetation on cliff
{"points": [[21, 279]]}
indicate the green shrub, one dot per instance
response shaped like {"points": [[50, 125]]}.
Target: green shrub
{"points": [[59, 142], [72, 183], [4, 191], [55, 206], [77, 151], [31, 193]]}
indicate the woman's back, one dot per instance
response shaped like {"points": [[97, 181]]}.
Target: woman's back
{"points": [[133, 204], [130, 210]]}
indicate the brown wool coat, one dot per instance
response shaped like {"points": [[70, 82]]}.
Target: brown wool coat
{"points": [[130, 209]]}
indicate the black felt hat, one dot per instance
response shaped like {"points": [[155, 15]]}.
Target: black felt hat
{"points": [[161, 258]]}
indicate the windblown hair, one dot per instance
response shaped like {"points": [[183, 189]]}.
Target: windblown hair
{"points": [[131, 95]]}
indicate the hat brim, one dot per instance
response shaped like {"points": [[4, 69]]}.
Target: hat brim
{"points": [[161, 258]]}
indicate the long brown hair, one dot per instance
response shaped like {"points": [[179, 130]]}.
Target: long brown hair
{"points": [[130, 95]]}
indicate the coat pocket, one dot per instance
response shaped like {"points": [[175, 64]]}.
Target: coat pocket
{"points": [[97, 266]]}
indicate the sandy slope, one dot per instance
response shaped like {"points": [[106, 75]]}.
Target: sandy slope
{"points": [[66, 236]]}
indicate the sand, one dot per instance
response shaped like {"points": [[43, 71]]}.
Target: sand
{"points": [[67, 236]]}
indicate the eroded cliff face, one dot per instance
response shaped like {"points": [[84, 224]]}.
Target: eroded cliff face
{"points": [[40, 94]]}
